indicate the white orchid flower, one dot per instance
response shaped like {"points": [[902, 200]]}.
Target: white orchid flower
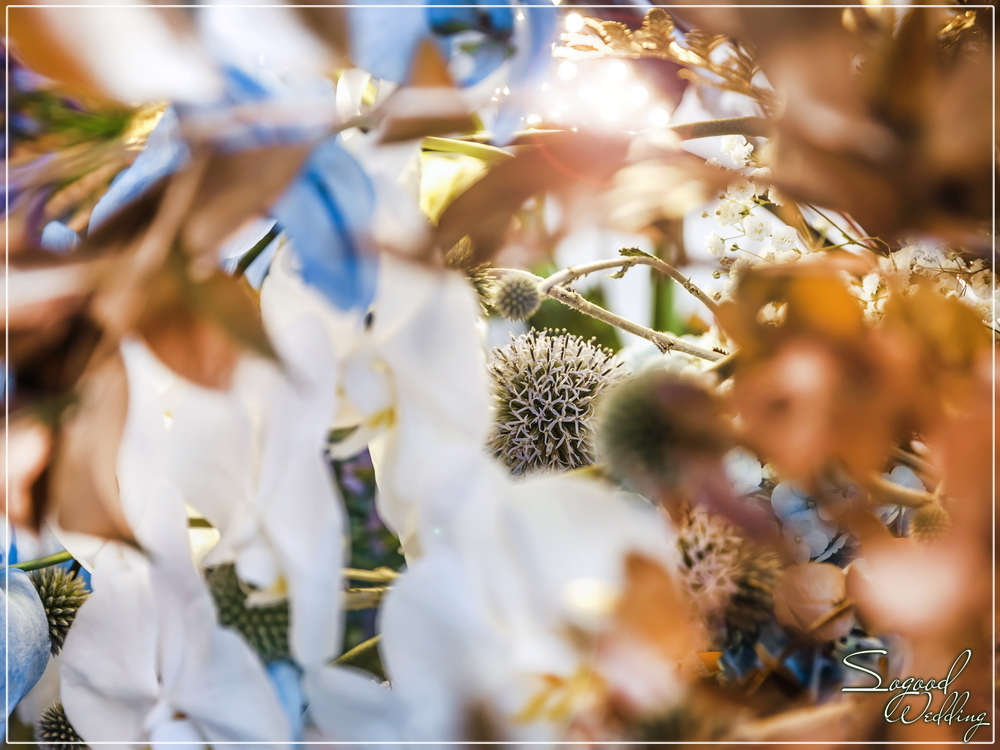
{"points": [[146, 661], [498, 622], [417, 377], [252, 460]]}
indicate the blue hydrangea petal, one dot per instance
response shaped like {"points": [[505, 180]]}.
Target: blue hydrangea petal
{"points": [[325, 212], [286, 678], [27, 636], [59, 238], [789, 501], [165, 153], [385, 40]]}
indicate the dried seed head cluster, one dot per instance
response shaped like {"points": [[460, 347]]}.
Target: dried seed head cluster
{"points": [[265, 628], [516, 297], [545, 386], [930, 523], [651, 425], [729, 579], [61, 593], [54, 732]]}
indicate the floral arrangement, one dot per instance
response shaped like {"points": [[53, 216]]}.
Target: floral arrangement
{"points": [[526, 372]]}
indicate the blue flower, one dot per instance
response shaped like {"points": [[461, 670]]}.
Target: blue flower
{"points": [[27, 636], [326, 213], [59, 238], [475, 37], [807, 533], [904, 476]]}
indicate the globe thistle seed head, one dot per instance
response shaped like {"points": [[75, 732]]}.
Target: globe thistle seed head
{"points": [[461, 258], [930, 523], [265, 628], [730, 580], [516, 297], [752, 603], [709, 555], [655, 422], [62, 593], [54, 732], [545, 386]]}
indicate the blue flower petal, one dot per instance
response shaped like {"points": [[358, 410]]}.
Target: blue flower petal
{"points": [[59, 238], [286, 678], [325, 212], [385, 40], [27, 636], [165, 153]]}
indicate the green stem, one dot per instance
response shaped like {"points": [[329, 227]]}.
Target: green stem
{"points": [[251, 255], [44, 562], [480, 151], [360, 650]]}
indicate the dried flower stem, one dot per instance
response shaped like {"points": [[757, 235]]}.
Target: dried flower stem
{"points": [[379, 575], [883, 492], [913, 461], [360, 650], [480, 151], [750, 127], [570, 274], [44, 562], [364, 598], [665, 342]]}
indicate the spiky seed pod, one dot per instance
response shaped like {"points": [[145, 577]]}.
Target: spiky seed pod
{"points": [[653, 423], [729, 579], [460, 257], [516, 297], [545, 385], [265, 628], [54, 732], [61, 593], [930, 523], [710, 553], [752, 602]]}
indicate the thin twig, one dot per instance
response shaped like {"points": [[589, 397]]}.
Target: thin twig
{"points": [[665, 342], [570, 274], [883, 492], [914, 462], [360, 650], [750, 127]]}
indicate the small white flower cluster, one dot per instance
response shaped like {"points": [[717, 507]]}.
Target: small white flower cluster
{"points": [[737, 148], [973, 281]]}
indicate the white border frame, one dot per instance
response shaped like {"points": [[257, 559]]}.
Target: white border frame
{"points": [[555, 6]]}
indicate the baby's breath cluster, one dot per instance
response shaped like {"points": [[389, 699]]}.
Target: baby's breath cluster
{"points": [[62, 593], [545, 386], [265, 628]]}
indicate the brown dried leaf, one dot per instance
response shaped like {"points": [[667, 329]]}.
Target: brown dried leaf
{"points": [[200, 328], [564, 161], [811, 591], [29, 445], [81, 486], [237, 187]]}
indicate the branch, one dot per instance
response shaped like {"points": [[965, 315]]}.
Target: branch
{"points": [[572, 273], [665, 342]]}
